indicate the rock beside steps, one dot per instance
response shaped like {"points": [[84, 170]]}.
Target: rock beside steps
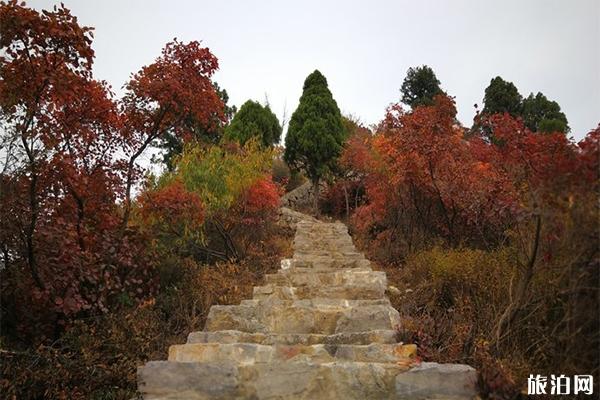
{"points": [[320, 328]]}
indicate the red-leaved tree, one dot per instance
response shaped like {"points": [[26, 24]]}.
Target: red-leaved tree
{"points": [[425, 180], [174, 94], [70, 165]]}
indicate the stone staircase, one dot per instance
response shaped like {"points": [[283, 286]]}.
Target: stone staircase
{"points": [[320, 328]]}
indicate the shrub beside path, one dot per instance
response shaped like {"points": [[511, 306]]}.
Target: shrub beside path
{"points": [[320, 328]]}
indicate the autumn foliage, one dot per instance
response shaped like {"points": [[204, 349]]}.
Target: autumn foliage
{"points": [[490, 233], [211, 206], [423, 180], [260, 200], [484, 236], [69, 247], [60, 237], [172, 209], [92, 246], [425, 177]]}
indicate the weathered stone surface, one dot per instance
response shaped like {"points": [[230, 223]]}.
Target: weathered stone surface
{"points": [[321, 328], [298, 378], [359, 291], [232, 336], [166, 380], [437, 381], [327, 262], [241, 318], [250, 353], [326, 316], [357, 319], [327, 277], [327, 381], [289, 218], [381, 353], [300, 197]]}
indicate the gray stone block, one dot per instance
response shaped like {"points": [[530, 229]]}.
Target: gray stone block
{"points": [[437, 381]]}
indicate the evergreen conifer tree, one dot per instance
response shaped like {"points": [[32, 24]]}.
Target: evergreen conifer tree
{"points": [[254, 120], [316, 134]]}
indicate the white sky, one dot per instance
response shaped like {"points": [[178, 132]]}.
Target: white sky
{"points": [[364, 47]]}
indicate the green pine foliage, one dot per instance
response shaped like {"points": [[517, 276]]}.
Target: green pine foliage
{"points": [[543, 115], [538, 113], [420, 87], [502, 96], [254, 120], [316, 134]]}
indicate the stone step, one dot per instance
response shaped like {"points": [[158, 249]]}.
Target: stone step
{"points": [[323, 244], [326, 250], [334, 277], [323, 262], [249, 353], [317, 303], [360, 291], [304, 380], [314, 251], [304, 317], [233, 336]]}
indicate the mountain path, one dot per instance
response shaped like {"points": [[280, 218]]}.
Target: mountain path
{"points": [[320, 328]]}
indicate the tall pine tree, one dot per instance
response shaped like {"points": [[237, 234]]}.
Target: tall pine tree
{"points": [[316, 134]]}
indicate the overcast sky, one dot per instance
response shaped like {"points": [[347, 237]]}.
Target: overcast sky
{"points": [[364, 48]]}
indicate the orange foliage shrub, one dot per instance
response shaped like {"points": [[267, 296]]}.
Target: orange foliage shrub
{"points": [[259, 202], [171, 208]]}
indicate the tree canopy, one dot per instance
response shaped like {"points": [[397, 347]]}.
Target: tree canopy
{"points": [[172, 144], [420, 86], [543, 115], [254, 120], [502, 96], [537, 112], [316, 133]]}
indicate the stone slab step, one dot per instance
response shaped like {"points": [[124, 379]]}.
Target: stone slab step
{"points": [[232, 336], [166, 380], [318, 303], [324, 247], [249, 353], [351, 292], [326, 262], [298, 318], [336, 252], [333, 277]]}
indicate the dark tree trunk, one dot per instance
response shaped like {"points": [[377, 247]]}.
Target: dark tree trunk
{"points": [[316, 195], [511, 311], [347, 201]]}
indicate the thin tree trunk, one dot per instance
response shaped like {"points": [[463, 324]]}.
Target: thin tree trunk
{"points": [[33, 205], [347, 201], [231, 248], [510, 313], [316, 196], [33, 200], [449, 223], [155, 133]]}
